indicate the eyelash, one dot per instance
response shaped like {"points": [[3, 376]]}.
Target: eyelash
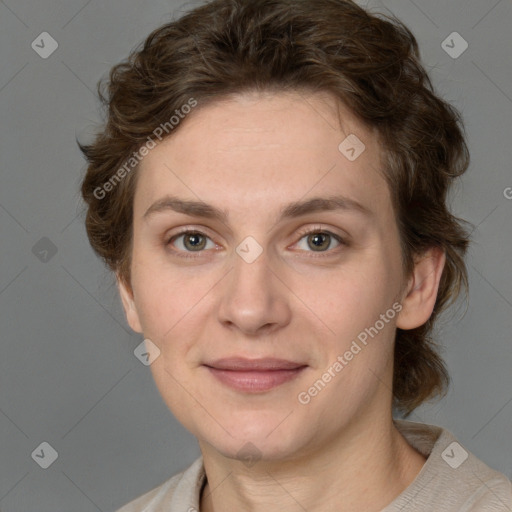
{"points": [[302, 234]]}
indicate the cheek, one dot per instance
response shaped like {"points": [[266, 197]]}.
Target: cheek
{"points": [[348, 298], [172, 308], [345, 306], [356, 350], [165, 299]]}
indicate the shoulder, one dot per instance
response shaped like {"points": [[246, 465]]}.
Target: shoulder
{"points": [[452, 477], [180, 492]]}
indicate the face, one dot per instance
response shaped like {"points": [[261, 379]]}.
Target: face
{"points": [[260, 311]]}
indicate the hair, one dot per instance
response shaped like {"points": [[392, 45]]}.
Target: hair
{"points": [[369, 62]]}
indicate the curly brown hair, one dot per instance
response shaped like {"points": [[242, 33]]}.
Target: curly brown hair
{"points": [[370, 62]]}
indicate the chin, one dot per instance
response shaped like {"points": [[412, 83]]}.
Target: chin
{"points": [[251, 451], [252, 440]]}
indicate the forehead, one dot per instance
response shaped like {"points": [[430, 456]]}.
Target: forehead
{"points": [[259, 151]]}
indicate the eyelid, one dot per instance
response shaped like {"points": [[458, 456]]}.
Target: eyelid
{"points": [[318, 228], [203, 230]]}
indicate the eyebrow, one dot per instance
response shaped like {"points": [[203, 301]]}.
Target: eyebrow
{"points": [[289, 211]]}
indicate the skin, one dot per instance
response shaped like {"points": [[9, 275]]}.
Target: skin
{"points": [[250, 156]]}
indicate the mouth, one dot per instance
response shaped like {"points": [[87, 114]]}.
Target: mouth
{"points": [[254, 375]]}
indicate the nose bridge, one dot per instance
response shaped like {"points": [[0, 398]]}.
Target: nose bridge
{"points": [[252, 299], [251, 270]]}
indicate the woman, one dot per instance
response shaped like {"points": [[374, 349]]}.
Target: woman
{"points": [[270, 191]]}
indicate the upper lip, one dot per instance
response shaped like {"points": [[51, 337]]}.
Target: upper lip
{"points": [[243, 364]]}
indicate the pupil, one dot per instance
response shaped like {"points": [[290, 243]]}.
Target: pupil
{"points": [[318, 238], [194, 241]]}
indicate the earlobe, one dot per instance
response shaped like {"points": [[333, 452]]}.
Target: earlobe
{"points": [[127, 299], [420, 297]]}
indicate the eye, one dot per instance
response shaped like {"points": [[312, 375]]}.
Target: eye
{"points": [[191, 241], [317, 240]]}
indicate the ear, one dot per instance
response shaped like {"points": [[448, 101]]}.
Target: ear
{"points": [[127, 299], [421, 294]]}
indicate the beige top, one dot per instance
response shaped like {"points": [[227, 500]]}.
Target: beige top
{"points": [[452, 479]]}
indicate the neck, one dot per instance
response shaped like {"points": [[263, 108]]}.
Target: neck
{"points": [[364, 468]]}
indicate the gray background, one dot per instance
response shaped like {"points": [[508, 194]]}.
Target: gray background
{"points": [[68, 375]]}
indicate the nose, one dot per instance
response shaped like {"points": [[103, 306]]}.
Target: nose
{"points": [[255, 299]]}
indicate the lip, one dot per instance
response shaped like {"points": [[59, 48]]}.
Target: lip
{"points": [[254, 375], [263, 364]]}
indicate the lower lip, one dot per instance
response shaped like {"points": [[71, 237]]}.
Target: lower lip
{"points": [[255, 381]]}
